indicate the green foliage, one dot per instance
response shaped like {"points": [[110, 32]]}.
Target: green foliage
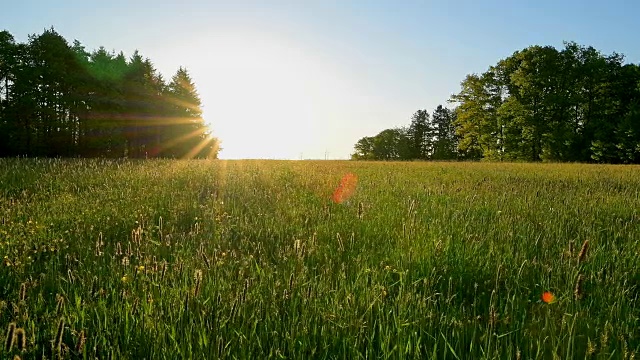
{"points": [[541, 103], [249, 259], [426, 138], [58, 99], [390, 144]]}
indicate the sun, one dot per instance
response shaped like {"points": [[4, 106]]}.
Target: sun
{"points": [[262, 94]]}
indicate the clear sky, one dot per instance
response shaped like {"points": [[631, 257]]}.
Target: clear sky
{"points": [[292, 79]]}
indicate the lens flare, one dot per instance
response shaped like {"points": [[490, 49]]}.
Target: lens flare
{"points": [[346, 189]]}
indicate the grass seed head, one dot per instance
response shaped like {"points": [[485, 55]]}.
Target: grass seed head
{"points": [[233, 308], [164, 270], [291, 282], [198, 278], [57, 342], [59, 303], [583, 252], [591, 347], [578, 291], [134, 307], [244, 291], [10, 338], [298, 247], [21, 339], [571, 247], [23, 292], [81, 340], [206, 260]]}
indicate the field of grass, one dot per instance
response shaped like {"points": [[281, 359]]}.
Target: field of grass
{"points": [[252, 259]]}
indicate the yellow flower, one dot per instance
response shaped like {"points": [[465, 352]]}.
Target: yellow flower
{"points": [[141, 268], [124, 278]]}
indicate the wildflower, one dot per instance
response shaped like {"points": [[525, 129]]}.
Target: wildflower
{"points": [[548, 297], [140, 268], [124, 278]]}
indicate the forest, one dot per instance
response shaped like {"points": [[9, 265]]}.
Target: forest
{"points": [[59, 100], [539, 104]]}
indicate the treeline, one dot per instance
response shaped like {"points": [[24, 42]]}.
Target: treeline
{"points": [[58, 99], [428, 137], [545, 104]]}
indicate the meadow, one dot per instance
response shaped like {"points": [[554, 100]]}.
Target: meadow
{"points": [[160, 259]]}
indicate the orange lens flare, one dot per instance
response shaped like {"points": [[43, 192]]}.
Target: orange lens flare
{"points": [[547, 297], [346, 189]]}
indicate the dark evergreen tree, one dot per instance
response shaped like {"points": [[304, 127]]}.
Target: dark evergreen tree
{"points": [[445, 140], [420, 135], [8, 68], [187, 128], [58, 99]]}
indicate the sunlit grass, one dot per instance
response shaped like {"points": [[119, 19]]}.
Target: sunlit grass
{"points": [[254, 259]]}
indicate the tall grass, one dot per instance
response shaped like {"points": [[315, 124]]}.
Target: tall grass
{"points": [[251, 259]]}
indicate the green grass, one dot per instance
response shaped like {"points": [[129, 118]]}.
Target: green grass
{"points": [[250, 259]]}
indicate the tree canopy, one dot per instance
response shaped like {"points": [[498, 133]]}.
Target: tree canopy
{"points": [[539, 104], [58, 99], [428, 137]]}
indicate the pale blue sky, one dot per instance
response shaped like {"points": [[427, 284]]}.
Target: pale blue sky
{"points": [[305, 78]]}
